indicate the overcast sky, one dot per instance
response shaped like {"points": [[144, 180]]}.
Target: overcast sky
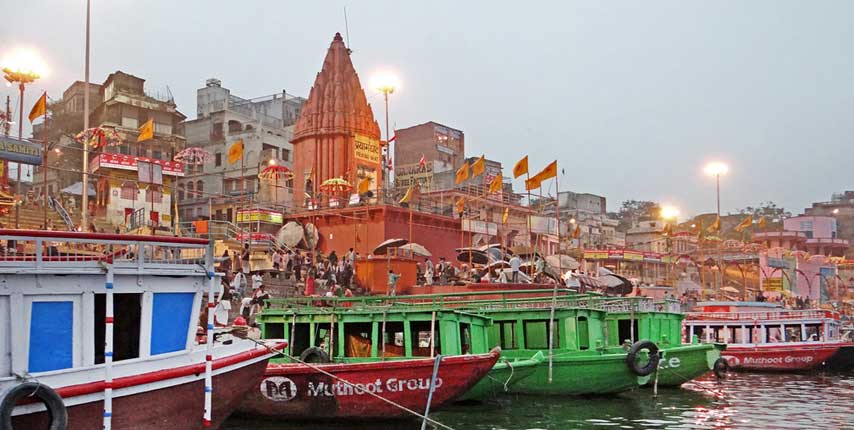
{"points": [[631, 97]]}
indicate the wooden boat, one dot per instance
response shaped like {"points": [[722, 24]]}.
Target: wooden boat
{"points": [[763, 336], [381, 362], [106, 338]]}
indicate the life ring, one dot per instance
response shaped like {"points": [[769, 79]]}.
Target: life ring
{"points": [[314, 355], [651, 365], [55, 407], [720, 368]]}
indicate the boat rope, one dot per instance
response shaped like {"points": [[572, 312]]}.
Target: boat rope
{"points": [[505, 383], [352, 385]]}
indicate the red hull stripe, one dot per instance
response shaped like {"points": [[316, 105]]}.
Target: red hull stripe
{"points": [[159, 375]]}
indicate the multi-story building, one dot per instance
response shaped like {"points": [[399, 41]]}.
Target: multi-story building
{"points": [[589, 213], [265, 126], [124, 195], [442, 147], [647, 236], [841, 208]]}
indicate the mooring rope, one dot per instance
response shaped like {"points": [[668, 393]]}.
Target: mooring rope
{"points": [[348, 383]]}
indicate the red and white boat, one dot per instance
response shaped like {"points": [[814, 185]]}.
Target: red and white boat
{"points": [[357, 392], [763, 336], [99, 331]]}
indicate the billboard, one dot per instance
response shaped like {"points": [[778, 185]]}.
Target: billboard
{"points": [[20, 151]]}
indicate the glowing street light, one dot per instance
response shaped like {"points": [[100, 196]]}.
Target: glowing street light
{"points": [[21, 67], [717, 169], [669, 212], [386, 83], [272, 162]]}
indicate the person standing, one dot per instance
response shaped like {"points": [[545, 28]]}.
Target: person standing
{"points": [[333, 258], [256, 281], [351, 257], [238, 283], [440, 269], [515, 264], [244, 258], [428, 272], [277, 262], [392, 282]]}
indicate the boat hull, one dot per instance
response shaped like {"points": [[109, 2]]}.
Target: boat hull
{"points": [[179, 406], [843, 360], [299, 392], [779, 358], [574, 375], [503, 376], [684, 363]]}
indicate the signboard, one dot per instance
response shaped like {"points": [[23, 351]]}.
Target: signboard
{"points": [[150, 173], [595, 255], [482, 227], [256, 215], [632, 255], [772, 284], [409, 174], [130, 162], [20, 151], [367, 149], [543, 225]]}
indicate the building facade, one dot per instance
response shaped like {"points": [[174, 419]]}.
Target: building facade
{"points": [[841, 208], [443, 149], [220, 186]]}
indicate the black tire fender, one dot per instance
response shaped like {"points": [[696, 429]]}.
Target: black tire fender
{"points": [[651, 365], [721, 367], [56, 411], [314, 355]]}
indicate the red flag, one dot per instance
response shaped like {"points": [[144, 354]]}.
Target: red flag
{"points": [[393, 137], [389, 163], [423, 161]]}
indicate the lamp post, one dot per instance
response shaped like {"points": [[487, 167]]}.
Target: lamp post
{"points": [[669, 214], [20, 69], [717, 169], [85, 199], [386, 84]]}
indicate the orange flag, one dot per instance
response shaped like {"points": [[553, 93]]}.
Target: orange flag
{"points": [[496, 184], [532, 184], [577, 232], [549, 172], [478, 167], [521, 167], [364, 185], [762, 223], [408, 196], [462, 173], [716, 226], [505, 216], [146, 131], [40, 108], [744, 224], [460, 206], [235, 151]]}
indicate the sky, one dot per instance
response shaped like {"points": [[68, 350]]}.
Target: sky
{"points": [[632, 98]]}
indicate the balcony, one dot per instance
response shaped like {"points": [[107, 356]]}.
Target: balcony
{"points": [[828, 243], [796, 236]]}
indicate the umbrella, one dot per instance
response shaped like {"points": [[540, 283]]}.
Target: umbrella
{"points": [[730, 289], [275, 173], [562, 261], [474, 255], [618, 285], [382, 248], [291, 234], [193, 156], [98, 137], [335, 185], [416, 249], [311, 236]]}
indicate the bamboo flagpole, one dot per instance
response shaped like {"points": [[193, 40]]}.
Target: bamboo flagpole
{"points": [[557, 284]]}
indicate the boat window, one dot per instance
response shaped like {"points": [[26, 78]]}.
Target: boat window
{"points": [[421, 338], [127, 314], [170, 321], [51, 336], [624, 328], [698, 331], [537, 335], [813, 333], [774, 334], [507, 334], [583, 334], [724, 334], [465, 338], [393, 341], [793, 333], [742, 335], [325, 338], [274, 330], [357, 339], [301, 338]]}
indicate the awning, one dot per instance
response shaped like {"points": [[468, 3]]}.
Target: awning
{"points": [[77, 189]]}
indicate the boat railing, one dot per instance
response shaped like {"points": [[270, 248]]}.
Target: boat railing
{"points": [[762, 316], [55, 251]]}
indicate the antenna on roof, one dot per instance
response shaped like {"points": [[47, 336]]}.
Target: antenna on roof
{"points": [[169, 92], [347, 31]]}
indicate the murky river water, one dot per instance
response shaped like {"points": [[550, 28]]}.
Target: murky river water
{"points": [[743, 401]]}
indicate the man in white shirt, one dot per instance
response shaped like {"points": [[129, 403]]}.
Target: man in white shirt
{"points": [[256, 281], [515, 264]]}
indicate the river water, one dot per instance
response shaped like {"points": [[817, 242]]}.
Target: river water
{"points": [[742, 401]]}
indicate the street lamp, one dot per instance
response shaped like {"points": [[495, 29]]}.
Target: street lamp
{"points": [[386, 83], [669, 214], [22, 67], [717, 169]]}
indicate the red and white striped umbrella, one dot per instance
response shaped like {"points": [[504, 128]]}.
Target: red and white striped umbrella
{"points": [[193, 156]]}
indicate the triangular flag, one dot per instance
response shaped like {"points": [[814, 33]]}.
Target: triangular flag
{"points": [[408, 196], [460, 206], [532, 184], [744, 224], [496, 184], [716, 226], [364, 185], [462, 173], [762, 223], [146, 131], [235, 151], [577, 232], [40, 108], [478, 167], [505, 216], [521, 167]]}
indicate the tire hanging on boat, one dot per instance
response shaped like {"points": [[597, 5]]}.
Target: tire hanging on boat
{"points": [[57, 414], [720, 368], [651, 365], [314, 355]]}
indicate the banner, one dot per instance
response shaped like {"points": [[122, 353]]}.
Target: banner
{"points": [[482, 227], [543, 225], [255, 215], [20, 151], [129, 162], [772, 284], [367, 149]]}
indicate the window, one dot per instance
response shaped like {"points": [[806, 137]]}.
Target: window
{"points": [[537, 335], [393, 341], [170, 321], [421, 339], [507, 334], [286, 154], [157, 155], [51, 336], [357, 339], [180, 192], [200, 188], [129, 191], [153, 196], [191, 187], [218, 159], [127, 311], [583, 334]]}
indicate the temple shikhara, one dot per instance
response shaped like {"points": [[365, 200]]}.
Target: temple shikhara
{"points": [[336, 135]]}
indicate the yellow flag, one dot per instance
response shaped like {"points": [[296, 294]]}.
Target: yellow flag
{"points": [[505, 216], [462, 173], [408, 196], [40, 108], [716, 226], [235, 151], [698, 229], [496, 184], [532, 184], [478, 167], [521, 167], [762, 223], [460, 206], [146, 131], [549, 172], [577, 232], [364, 185], [744, 224]]}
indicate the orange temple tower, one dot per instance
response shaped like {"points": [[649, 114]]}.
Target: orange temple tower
{"points": [[336, 135]]}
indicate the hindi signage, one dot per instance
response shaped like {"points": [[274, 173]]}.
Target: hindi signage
{"points": [[367, 149], [130, 162], [255, 215]]}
